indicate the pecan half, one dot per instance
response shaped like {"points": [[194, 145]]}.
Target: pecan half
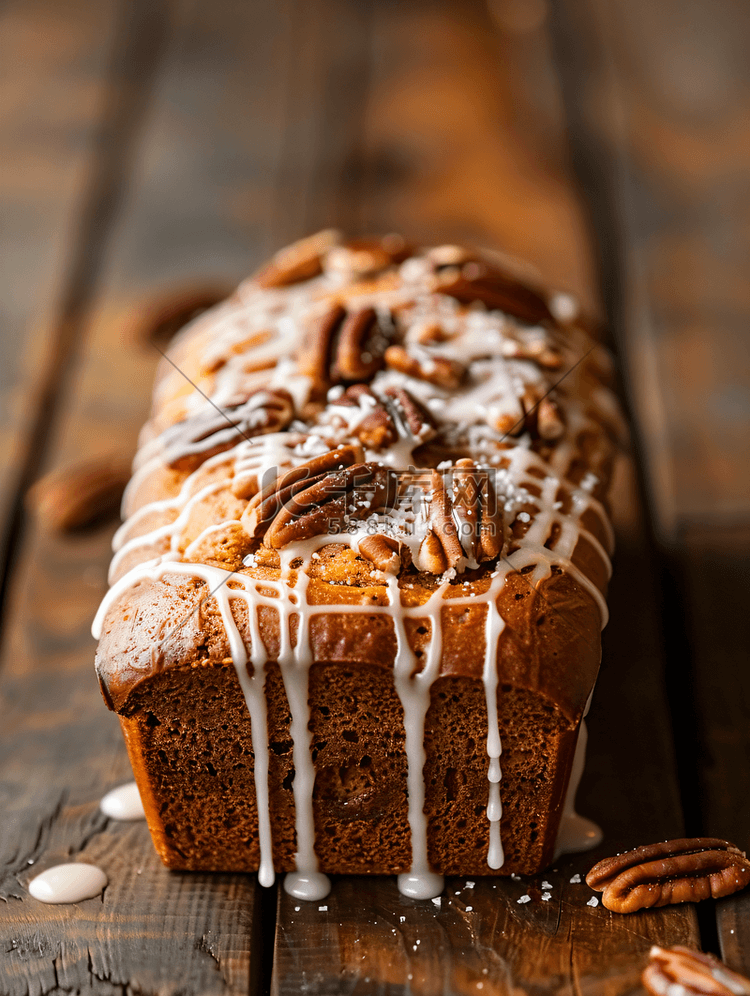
{"points": [[382, 551], [362, 342], [449, 255], [377, 429], [187, 444], [691, 972], [476, 281], [266, 505], [476, 504], [301, 260], [314, 357], [538, 351], [674, 871], [437, 370], [330, 503], [361, 257], [441, 548], [79, 495], [418, 419]]}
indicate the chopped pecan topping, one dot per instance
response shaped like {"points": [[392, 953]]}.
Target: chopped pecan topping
{"points": [[476, 281], [427, 333], [362, 342], [80, 495], [330, 503], [418, 419], [396, 414], [301, 260], [266, 505], [435, 369], [541, 417], [549, 420], [382, 551], [376, 430], [684, 972], [314, 359], [675, 871], [212, 430], [538, 351]]}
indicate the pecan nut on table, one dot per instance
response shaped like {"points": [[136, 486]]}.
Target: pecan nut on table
{"points": [[678, 971], [673, 871]]}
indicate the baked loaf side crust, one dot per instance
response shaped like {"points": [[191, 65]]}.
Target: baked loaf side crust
{"points": [[366, 550]]}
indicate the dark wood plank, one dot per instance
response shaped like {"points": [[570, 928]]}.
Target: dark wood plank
{"points": [[713, 567], [453, 147], [51, 104], [661, 94]]}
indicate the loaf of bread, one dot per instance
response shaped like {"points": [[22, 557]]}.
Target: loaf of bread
{"points": [[357, 598]]}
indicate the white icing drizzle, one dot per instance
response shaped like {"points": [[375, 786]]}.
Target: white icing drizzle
{"points": [[123, 803], [577, 833], [254, 340], [69, 883]]}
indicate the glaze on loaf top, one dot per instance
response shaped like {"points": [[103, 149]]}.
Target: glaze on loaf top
{"points": [[429, 413]]}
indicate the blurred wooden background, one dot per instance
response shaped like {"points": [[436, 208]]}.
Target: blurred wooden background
{"points": [[147, 144]]}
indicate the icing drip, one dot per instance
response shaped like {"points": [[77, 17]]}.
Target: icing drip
{"points": [[414, 693], [576, 833], [295, 663], [123, 803], [494, 626], [70, 883]]}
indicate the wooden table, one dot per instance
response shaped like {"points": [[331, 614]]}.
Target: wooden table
{"points": [[148, 144]]}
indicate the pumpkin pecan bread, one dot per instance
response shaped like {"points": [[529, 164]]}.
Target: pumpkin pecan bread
{"points": [[356, 602]]}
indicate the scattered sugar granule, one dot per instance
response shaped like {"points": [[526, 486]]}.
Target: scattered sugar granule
{"points": [[469, 909], [546, 885], [437, 901], [470, 885], [402, 919], [297, 909], [516, 878], [546, 896], [524, 899], [593, 901], [322, 909], [576, 880], [524, 517]]}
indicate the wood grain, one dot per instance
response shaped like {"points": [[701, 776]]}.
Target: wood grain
{"points": [[659, 97], [254, 124], [713, 565]]}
